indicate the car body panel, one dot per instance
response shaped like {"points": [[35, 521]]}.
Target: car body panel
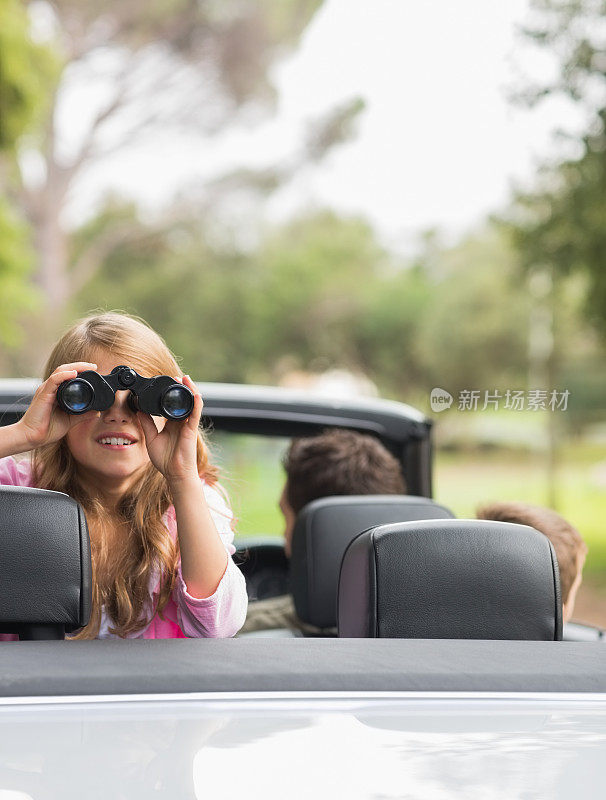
{"points": [[301, 717], [305, 745]]}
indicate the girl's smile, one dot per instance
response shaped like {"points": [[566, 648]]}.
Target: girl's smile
{"points": [[116, 440]]}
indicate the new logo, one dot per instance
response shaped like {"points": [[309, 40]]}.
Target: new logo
{"points": [[440, 399]]}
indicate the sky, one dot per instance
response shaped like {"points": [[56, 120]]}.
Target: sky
{"points": [[438, 145]]}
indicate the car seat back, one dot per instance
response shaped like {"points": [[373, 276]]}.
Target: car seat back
{"points": [[450, 579], [45, 564], [323, 530]]}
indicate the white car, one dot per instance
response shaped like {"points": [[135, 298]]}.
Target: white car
{"points": [[448, 679]]}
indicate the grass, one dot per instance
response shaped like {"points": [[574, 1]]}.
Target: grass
{"points": [[252, 473], [463, 481]]}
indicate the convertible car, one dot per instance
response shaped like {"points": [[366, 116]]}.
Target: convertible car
{"points": [[451, 675]]}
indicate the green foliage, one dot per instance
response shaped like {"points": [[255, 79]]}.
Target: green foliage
{"points": [[387, 335], [194, 296], [308, 282], [573, 32], [168, 67], [16, 295], [320, 292], [458, 319], [562, 222], [26, 70], [475, 335], [233, 316]]}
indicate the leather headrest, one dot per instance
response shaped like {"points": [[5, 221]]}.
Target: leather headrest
{"points": [[450, 579], [45, 562], [323, 530]]}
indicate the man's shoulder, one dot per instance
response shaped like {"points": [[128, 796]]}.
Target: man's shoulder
{"points": [[282, 604], [279, 612], [270, 613]]}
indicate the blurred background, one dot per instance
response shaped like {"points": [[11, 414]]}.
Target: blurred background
{"points": [[380, 198]]}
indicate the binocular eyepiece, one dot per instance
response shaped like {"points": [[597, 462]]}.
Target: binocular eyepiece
{"points": [[160, 396]]}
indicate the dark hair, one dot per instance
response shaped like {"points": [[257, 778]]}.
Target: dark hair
{"points": [[339, 462], [566, 540]]}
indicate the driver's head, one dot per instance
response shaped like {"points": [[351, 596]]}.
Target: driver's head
{"points": [[337, 462], [567, 542]]}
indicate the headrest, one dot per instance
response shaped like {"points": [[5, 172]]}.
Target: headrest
{"points": [[450, 579], [322, 532], [45, 563]]}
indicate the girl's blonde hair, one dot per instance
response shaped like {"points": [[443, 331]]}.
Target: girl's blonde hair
{"points": [[149, 552]]}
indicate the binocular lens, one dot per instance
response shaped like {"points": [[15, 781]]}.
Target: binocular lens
{"points": [[177, 402], [77, 395]]}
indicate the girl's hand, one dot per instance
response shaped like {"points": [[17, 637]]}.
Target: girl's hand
{"points": [[173, 449], [44, 422]]}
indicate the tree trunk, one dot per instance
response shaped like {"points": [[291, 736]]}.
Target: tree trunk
{"points": [[44, 207], [51, 245]]}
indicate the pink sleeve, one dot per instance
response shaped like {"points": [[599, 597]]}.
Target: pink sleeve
{"points": [[15, 473], [223, 613]]}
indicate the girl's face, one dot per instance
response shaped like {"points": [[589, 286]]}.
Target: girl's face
{"points": [[109, 447]]}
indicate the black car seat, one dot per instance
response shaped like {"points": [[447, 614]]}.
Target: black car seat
{"points": [[450, 579], [45, 564], [323, 530], [264, 565]]}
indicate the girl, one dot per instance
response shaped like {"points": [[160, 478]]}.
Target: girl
{"points": [[160, 529]]}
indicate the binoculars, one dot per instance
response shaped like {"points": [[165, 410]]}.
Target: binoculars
{"points": [[161, 395]]}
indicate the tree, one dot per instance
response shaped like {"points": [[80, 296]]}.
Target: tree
{"points": [[310, 279], [572, 31], [154, 66], [316, 293], [234, 314], [474, 333], [189, 285], [24, 66], [562, 222]]}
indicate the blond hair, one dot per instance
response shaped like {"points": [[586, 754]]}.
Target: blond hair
{"points": [[149, 551], [567, 542]]}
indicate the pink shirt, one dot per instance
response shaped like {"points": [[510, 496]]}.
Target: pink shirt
{"points": [[219, 616]]}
